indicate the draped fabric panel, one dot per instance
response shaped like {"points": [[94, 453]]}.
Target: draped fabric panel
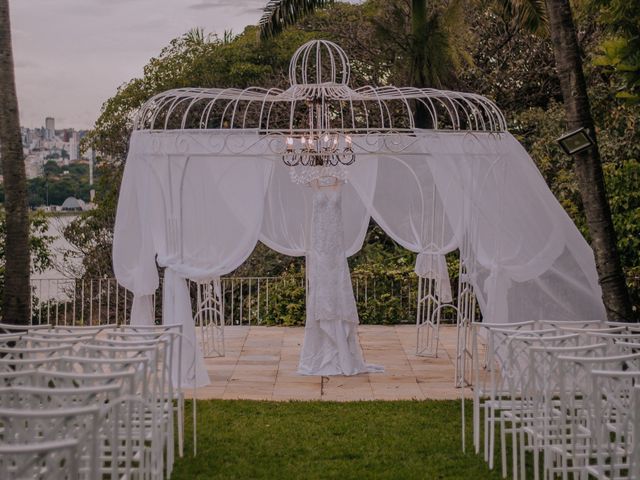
{"points": [[527, 258], [197, 213], [197, 202], [287, 212]]}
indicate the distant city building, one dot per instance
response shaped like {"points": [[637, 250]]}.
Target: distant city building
{"points": [[50, 126]]}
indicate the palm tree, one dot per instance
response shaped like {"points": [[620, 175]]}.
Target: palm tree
{"points": [[279, 14], [16, 295], [588, 165]]}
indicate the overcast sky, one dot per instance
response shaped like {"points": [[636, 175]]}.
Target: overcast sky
{"points": [[71, 55]]}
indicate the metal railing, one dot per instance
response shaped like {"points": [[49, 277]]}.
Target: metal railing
{"points": [[247, 300]]}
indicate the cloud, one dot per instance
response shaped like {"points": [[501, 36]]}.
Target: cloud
{"points": [[71, 55], [24, 64], [204, 5]]}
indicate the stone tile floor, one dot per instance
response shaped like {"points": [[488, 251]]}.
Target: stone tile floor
{"points": [[261, 362]]}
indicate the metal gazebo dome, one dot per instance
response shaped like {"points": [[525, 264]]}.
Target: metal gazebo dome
{"points": [[320, 100]]}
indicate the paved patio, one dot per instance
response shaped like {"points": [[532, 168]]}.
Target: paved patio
{"points": [[261, 363]]}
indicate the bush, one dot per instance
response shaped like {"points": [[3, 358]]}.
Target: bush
{"points": [[383, 297]]}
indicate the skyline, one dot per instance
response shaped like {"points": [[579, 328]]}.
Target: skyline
{"points": [[71, 55]]}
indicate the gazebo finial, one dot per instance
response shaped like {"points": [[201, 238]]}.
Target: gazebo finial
{"points": [[319, 62]]}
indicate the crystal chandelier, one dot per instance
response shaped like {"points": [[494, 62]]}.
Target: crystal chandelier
{"points": [[324, 150]]}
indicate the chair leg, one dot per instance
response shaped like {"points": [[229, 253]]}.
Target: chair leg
{"points": [[486, 433], [503, 448], [492, 436], [514, 446], [522, 453]]}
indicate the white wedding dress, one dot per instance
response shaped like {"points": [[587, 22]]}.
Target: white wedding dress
{"points": [[331, 345]]}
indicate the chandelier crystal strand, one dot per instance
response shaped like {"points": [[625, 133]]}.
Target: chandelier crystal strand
{"points": [[306, 174]]}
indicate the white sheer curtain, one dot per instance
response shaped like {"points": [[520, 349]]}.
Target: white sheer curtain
{"points": [[409, 205], [482, 193], [199, 213], [527, 258], [199, 200]]}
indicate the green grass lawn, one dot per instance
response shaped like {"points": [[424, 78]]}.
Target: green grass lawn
{"points": [[324, 440]]}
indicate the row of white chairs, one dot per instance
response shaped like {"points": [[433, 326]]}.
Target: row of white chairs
{"points": [[565, 394], [90, 402]]}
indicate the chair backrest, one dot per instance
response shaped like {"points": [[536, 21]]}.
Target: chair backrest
{"points": [[157, 351], [497, 364], [23, 426], [17, 378], [125, 379], [132, 372], [47, 398], [12, 328], [169, 342], [63, 335], [546, 382], [33, 353], [11, 365], [518, 368], [612, 339], [625, 346], [54, 460], [578, 368], [579, 324], [9, 339], [30, 341], [544, 364], [83, 330], [604, 329]]}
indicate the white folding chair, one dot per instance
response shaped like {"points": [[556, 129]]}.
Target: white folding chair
{"points": [[487, 380], [610, 405], [518, 414], [543, 391], [575, 450]]}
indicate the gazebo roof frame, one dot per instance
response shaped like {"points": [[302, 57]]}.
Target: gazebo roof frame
{"points": [[319, 100]]}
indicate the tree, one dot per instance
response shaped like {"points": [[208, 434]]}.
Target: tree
{"points": [[588, 166], [16, 296], [279, 14]]}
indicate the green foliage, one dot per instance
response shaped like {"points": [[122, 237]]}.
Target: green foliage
{"points": [[287, 299], [619, 142], [39, 244], [91, 232], [620, 50], [60, 182], [57, 184], [383, 281], [388, 297]]}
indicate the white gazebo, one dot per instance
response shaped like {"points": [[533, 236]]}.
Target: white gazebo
{"points": [[211, 172]]}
